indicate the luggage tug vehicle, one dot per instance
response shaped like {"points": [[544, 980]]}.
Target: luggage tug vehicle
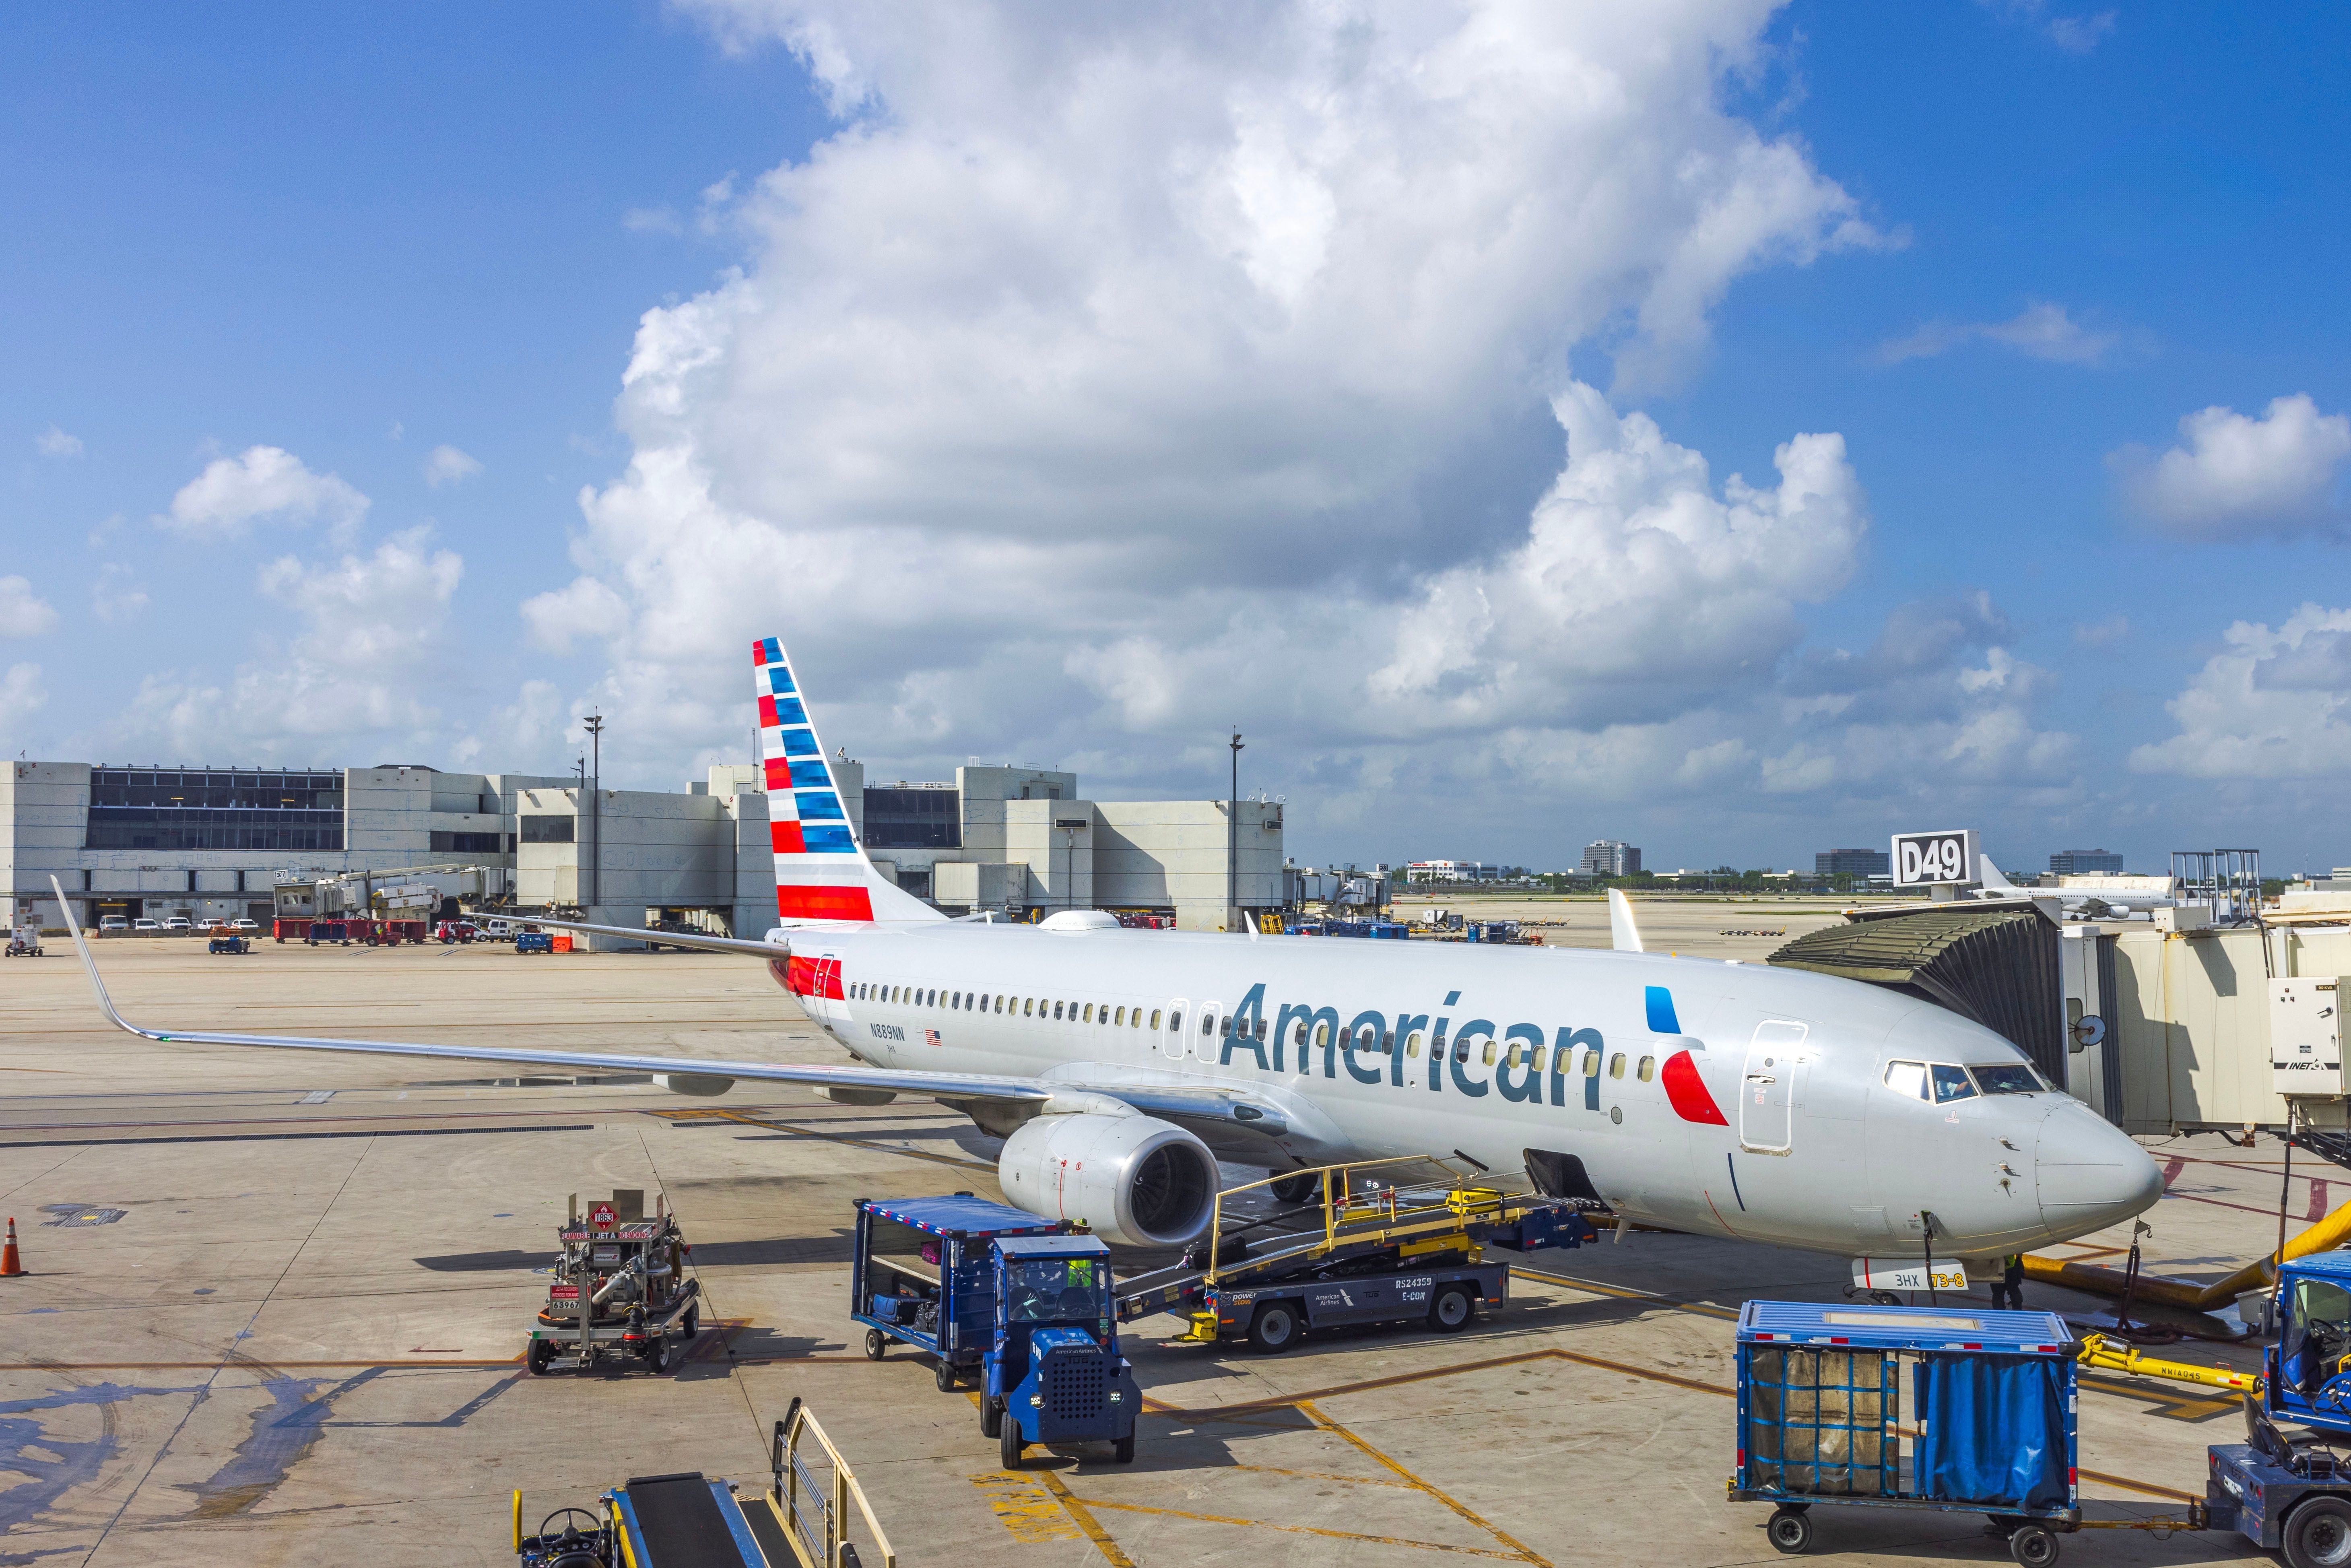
{"points": [[618, 1290]]}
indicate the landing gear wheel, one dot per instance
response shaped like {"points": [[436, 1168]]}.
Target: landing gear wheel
{"points": [[1008, 1444], [1122, 1450], [1293, 1188], [1452, 1309], [536, 1357], [875, 1344], [2035, 1545], [944, 1374], [1789, 1530], [2318, 1535], [991, 1417], [1275, 1327]]}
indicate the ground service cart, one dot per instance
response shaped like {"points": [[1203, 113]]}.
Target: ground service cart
{"points": [[618, 1290], [2288, 1486], [1399, 1241], [920, 1273], [1054, 1373], [1820, 1417], [813, 1516]]}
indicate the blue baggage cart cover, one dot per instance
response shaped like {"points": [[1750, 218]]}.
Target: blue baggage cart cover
{"points": [[1053, 1247], [972, 1215], [1869, 1327]]}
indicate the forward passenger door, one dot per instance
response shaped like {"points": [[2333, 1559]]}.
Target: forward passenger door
{"points": [[1767, 1093]]}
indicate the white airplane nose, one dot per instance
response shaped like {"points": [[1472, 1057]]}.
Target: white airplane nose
{"points": [[2089, 1174]]}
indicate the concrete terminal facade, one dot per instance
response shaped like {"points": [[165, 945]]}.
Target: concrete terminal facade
{"points": [[205, 843]]}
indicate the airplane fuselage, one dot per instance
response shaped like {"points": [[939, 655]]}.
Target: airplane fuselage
{"points": [[1719, 1098]]}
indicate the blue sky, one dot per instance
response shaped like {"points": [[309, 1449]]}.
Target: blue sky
{"points": [[1064, 396]]}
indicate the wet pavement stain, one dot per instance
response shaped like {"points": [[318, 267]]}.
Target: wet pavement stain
{"points": [[56, 1465], [283, 1431]]}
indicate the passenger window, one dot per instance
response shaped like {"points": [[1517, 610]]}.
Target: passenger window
{"points": [[1487, 1056], [1121, 1017], [1261, 1026], [1155, 1018], [1138, 1017], [1175, 1022], [1412, 1044], [1027, 1005], [1387, 1044], [1542, 1055], [1057, 1010], [1951, 1083], [1207, 1023], [1617, 1065], [1089, 1013], [1592, 1062], [1908, 1079], [956, 1000], [1648, 1068]]}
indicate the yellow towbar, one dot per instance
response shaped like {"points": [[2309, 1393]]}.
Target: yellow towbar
{"points": [[2113, 1356]]}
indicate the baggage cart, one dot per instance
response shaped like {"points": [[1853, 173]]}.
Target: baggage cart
{"points": [[1993, 1428], [921, 1274]]}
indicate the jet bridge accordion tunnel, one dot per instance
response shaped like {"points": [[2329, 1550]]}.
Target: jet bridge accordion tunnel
{"points": [[1999, 967]]}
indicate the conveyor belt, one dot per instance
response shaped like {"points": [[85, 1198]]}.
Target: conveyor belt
{"points": [[678, 1521]]}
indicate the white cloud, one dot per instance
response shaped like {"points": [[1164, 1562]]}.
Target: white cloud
{"points": [[2041, 332], [368, 635], [23, 613], [2074, 33], [584, 609], [2273, 705], [56, 443], [21, 694], [448, 466], [117, 597], [2098, 633], [262, 484], [2235, 475], [1122, 344]]}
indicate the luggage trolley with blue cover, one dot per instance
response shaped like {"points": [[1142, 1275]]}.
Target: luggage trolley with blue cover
{"points": [[1820, 1417], [921, 1273]]}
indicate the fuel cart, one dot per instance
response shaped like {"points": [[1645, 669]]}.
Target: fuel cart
{"points": [[1054, 1374], [618, 1290], [1820, 1417], [921, 1274]]}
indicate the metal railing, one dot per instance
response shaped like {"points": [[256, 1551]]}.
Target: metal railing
{"points": [[811, 1491]]}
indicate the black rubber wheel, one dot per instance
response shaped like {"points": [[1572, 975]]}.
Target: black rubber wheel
{"points": [[2035, 1545], [1009, 1443], [1275, 1328], [692, 1322], [944, 1374], [1452, 1309], [991, 1417], [1293, 1188], [1122, 1450], [875, 1344], [1789, 1530], [666, 1355], [2318, 1534], [539, 1354]]}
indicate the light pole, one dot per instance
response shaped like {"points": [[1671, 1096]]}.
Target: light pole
{"points": [[1233, 839], [594, 725]]}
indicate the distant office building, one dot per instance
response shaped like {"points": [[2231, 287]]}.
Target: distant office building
{"points": [[1608, 857], [1859, 864], [2086, 862]]}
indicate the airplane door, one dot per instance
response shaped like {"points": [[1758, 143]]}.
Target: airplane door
{"points": [[1767, 1093], [1171, 1039]]}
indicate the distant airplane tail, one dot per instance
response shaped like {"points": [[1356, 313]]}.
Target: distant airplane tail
{"points": [[1624, 934], [821, 871]]}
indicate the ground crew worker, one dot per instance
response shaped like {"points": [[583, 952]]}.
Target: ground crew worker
{"points": [[2009, 1291]]}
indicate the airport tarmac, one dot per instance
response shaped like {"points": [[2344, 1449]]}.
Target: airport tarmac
{"points": [[1747, 928], [276, 1303]]}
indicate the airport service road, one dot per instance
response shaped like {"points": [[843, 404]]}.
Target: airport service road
{"points": [[297, 1340]]}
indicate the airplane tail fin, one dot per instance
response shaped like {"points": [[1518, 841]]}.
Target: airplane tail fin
{"points": [[1623, 933], [1993, 882], [821, 871]]}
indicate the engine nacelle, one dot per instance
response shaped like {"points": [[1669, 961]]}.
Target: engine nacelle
{"points": [[1134, 1179]]}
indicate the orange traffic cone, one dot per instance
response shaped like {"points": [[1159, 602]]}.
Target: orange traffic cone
{"points": [[10, 1264]]}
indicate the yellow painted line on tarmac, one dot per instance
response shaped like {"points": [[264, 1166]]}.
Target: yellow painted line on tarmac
{"points": [[1082, 1513], [1310, 1530], [1026, 1508], [1519, 1550]]}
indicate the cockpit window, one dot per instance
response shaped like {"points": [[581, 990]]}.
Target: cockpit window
{"points": [[2007, 1077], [1908, 1079], [1951, 1083]]}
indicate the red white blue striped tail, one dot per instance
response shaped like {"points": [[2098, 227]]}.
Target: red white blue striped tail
{"points": [[821, 873]]}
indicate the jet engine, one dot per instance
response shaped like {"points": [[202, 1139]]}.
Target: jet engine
{"points": [[1136, 1180]]}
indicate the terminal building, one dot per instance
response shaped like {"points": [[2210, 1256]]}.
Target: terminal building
{"points": [[209, 843]]}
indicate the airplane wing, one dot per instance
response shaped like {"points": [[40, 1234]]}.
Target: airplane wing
{"points": [[771, 951], [1200, 1105]]}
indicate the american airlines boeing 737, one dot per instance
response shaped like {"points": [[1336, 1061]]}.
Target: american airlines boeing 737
{"points": [[1119, 1066]]}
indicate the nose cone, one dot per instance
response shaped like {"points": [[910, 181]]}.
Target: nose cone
{"points": [[2089, 1175]]}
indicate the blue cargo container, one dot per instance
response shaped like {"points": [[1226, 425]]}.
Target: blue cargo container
{"points": [[1993, 1432]]}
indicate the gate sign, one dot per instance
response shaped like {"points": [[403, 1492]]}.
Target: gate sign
{"points": [[600, 1217], [1923, 860]]}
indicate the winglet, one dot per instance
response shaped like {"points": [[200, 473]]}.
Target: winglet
{"points": [[91, 965], [1623, 933]]}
